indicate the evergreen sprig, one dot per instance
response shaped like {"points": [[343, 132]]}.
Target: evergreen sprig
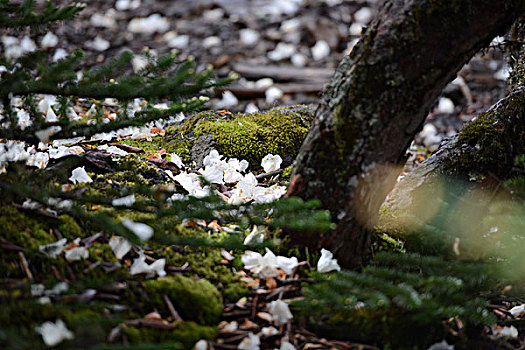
{"points": [[23, 15]]}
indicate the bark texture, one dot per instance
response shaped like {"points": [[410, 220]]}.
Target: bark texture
{"points": [[378, 100], [487, 146]]}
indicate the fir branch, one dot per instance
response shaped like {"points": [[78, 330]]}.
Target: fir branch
{"points": [[22, 15]]}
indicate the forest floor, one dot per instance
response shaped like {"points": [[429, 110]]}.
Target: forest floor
{"points": [[284, 52]]}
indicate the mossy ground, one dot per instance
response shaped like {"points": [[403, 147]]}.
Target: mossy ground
{"points": [[197, 293]]}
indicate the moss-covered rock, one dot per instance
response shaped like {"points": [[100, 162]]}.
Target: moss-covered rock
{"points": [[243, 136]]}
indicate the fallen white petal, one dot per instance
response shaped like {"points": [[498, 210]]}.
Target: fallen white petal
{"points": [[287, 264], [124, 201], [77, 253], [54, 333], [518, 310], [139, 266], [442, 345], [280, 312], [327, 263], [201, 345], [251, 342], [53, 249], [116, 151], [143, 231], [286, 346], [505, 332], [176, 159], [79, 175], [120, 246], [256, 236]]}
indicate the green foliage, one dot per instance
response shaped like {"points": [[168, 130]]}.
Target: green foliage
{"points": [[22, 15], [397, 295]]}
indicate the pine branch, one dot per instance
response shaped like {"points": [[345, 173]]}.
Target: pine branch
{"points": [[18, 16]]}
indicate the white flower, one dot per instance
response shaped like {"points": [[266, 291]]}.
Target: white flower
{"points": [[23, 119], [39, 159], [13, 151], [268, 265], [37, 290], [269, 331], [239, 166], [256, 236], [442, 345], [212, 174], [518, 310], [505, 332], [120, 246], [176, 159], [116, 151], [59, 152], [268, 194], [77, 253], [286, 346], [124, 201], [54, 333], [44, 134], [231, 175], [201, 345], [191, 183], [53, 249], [252, 342], [280, 312], [51, 117], [149, 25], [143, 231], [327, 263], [60, 204], [271, 162], [49, 40], [140, 266], [187, 181], [212, 158], [79, 175], [287, 264]]}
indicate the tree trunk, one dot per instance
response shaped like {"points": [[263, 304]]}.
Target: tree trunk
{"points": [[378, 100], [487, 146]]}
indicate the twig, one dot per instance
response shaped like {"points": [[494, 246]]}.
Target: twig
{"points": [[270, 174], [25, 265], [56, 273], [223, 346], [71, 273], [254, 305], [174, 313], [6, 245]]}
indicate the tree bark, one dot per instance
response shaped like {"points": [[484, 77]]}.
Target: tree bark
{"points": [[377, 101], [487, 146]]}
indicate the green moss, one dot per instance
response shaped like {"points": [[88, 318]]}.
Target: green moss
{"points": [[184, 337], [69, 228], [245, 136], [23, 230], [198, 301], [486, 135], [207, 263]]}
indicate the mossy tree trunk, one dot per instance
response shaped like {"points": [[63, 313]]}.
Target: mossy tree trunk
{"points": [[485, 148], [378, 100]]}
